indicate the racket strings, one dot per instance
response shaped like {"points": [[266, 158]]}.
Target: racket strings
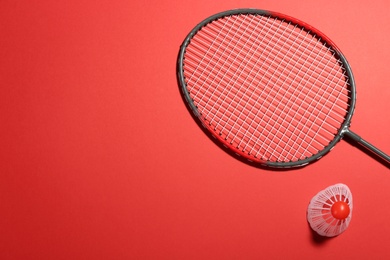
{"points": [[311, 125], [277, 127], [239, 130], [303, 64], [285, 98], [266, 72], [233, 79], [242, 64], [288, 93], [260, 100], [219, 56], [290, 41], [269, 137]]}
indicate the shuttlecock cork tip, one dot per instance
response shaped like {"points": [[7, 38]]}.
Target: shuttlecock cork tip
{"points": [[340, 210]]}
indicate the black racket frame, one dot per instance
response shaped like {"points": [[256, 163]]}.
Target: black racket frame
{"points": [[342, 131]]}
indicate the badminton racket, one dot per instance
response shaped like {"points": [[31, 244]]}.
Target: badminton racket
{"points": [[270, 88]]}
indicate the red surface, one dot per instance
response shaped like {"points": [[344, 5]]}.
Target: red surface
{"points": [[100, 158]]}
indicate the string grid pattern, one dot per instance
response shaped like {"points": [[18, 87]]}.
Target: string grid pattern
{"points": [[269, 88]]}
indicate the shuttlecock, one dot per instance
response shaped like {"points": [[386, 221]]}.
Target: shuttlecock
{"points": [[330, 211]]}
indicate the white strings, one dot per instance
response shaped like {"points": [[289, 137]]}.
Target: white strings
{"points": [[271, 89]]}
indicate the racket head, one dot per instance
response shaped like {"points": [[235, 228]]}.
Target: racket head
{"points": [[257, 136]]}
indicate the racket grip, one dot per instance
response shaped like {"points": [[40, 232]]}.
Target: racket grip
{"points": [[367, 145]]}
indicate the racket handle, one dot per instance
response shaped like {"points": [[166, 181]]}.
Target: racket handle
{"points": [[367, 145]]}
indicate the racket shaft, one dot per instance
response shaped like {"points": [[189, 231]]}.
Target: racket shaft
{"points": [[367, 145]]}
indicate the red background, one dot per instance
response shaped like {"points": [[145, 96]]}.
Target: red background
{"points": [[100, 159]]}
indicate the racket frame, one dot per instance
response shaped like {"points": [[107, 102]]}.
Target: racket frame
{"points": [[306, 27]]}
